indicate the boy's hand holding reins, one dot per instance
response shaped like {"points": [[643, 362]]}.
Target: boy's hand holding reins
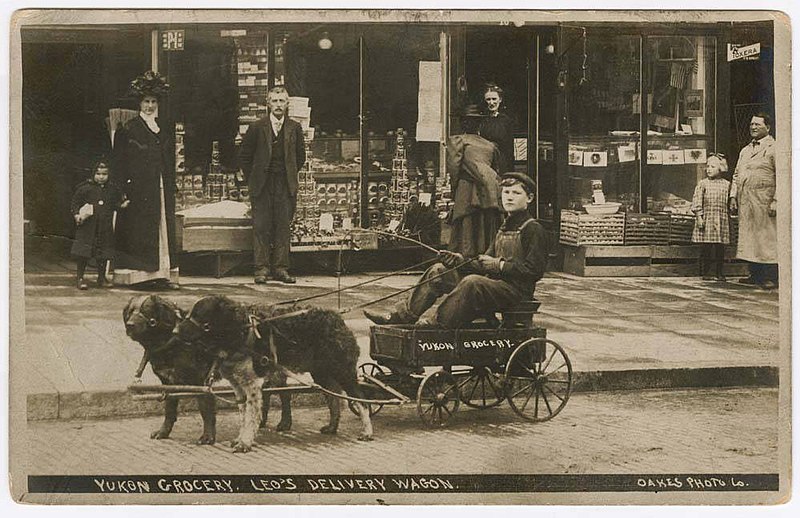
{"points": [[451, 259]]}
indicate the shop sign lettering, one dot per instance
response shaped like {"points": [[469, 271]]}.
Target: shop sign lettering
{"points": [[436, 346], [172, 40], [743, 52], [480, 344]]}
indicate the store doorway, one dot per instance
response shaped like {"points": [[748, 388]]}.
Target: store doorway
{"points": [[69, 81], [521, 61]]}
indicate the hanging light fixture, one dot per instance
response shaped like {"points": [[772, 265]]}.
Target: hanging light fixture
{"points": [[325, 42]]}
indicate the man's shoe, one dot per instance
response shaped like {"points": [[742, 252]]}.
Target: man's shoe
{"points": [[82, 285], [720, 278], [708, 278], [381, 319], [748, 280], [261, 279], [284, 277]]}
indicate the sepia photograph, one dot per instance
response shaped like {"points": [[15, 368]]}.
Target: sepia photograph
{"points": [[399, 257]]}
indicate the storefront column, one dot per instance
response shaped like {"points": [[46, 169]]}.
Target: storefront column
{"points": [[363, 216]]}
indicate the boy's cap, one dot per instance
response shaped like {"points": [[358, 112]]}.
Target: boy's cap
{"points": [[512, 178]]}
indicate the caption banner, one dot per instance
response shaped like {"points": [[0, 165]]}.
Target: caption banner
{"points": [[400, 483]]}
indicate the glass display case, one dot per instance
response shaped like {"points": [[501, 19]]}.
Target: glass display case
{"points": [[681, 106], [640, 113], [601, 76]]}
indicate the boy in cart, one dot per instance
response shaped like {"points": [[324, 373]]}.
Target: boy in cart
{"points": [[497, 280]]}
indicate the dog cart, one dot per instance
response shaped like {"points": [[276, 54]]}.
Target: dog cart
{"points": [[480, 366]]}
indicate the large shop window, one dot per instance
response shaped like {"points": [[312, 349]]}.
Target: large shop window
{"points": [[681, 105], [601, 76], [640, 117]]}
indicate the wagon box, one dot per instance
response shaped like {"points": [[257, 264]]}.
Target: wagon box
{"points": [[416, 347]]}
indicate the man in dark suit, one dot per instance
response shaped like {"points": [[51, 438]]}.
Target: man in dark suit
{"points": [[272, 153]]}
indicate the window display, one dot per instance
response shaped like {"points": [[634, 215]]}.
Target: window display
{"points": [[681, 106], [601, 78]]}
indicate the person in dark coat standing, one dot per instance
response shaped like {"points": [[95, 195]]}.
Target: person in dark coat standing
{"points": [[498, 127], [273, 151], [92, 207], [473, 163], [143, 168]]}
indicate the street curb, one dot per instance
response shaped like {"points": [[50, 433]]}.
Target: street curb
{"points": [[119, 403]]}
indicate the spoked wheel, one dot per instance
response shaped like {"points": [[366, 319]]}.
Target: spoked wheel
{"points": [[481, 388], [437, 399], [376, 371], [538, 379]]}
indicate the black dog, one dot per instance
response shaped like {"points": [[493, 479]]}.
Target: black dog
{"points": [[150, 320], [315, 341]]}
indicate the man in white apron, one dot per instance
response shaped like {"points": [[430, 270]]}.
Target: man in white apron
{"points": [[501, 278], [753, 196]]}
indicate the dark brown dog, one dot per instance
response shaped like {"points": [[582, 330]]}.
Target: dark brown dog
{"points": [[151, 321], [316, 341]]}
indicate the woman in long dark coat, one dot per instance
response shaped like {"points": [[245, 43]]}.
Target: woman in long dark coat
{"points": [[143, 168], [498, 127]]}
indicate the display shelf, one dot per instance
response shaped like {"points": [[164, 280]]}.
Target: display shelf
{"points": [[642, 261]]}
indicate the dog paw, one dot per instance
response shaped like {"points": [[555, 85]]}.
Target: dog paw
{"points": [[206, 439], [284, 426], [328, 430], [240, 447], [364, 437], [159, 434]]}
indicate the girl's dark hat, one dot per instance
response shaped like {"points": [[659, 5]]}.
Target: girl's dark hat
{"points": [[149, 84], [526, 181]]}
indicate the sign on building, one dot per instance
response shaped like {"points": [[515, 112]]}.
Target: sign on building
{"points": [[172, 40]]}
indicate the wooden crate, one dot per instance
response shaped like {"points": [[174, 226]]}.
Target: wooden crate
{"points": [[684, 261], [681, 227], [584, 229], [607, 261], [734, 231], [646, 229], [675, 261]]}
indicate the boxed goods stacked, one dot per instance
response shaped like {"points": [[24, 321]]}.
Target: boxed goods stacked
{"points": [[647, 229], [590, 229], [680, 228], [180, 165]]}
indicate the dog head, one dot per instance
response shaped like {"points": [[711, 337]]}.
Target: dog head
{"points": [[216, 322], [149, 317]]}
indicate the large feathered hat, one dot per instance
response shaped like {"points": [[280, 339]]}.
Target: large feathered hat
{"points": [[149, 84]]}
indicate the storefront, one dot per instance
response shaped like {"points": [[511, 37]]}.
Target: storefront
{"points": [[631, 110]]}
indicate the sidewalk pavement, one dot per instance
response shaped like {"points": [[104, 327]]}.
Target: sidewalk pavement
{"points": [[619, 333]]}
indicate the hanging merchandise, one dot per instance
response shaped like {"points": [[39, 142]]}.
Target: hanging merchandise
{"points": [[655, 156], [673, 157], [694, 156], [595, 159]]}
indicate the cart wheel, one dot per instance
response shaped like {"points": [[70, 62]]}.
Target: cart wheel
{"points": [[481, 388], [374, 370], [437, 398], [538, 379]]}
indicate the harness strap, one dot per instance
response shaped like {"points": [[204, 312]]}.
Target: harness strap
{"points": [[142, 365]]}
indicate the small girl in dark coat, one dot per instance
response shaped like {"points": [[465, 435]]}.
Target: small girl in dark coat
{"points": [[92, 207]]}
